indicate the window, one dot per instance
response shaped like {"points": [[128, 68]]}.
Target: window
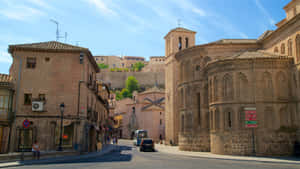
{"points": [[229, 119], [290, 47], [276, 50], [42, 97], [160, 122], [199, 108], [4, 104], [47, 59], [31, 63], [197, 67], [186, 42], [114, 65], [160, 113], [283, 48], [182, 123], [27, 99], [180, 43], [298, 47]]}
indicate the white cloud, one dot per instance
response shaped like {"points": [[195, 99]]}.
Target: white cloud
{"points": [[103, 7], [265, 12], [18, 11], [5, 57]]}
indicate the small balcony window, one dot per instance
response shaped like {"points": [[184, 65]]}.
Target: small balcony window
{"points": [[27, 99], [31, 63]]}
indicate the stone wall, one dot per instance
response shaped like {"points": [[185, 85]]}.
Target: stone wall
{"points": [[195, 141], [145, 79]]}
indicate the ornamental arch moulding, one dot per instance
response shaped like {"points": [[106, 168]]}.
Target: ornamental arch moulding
{"points": [[228, 87], [243, 86]]}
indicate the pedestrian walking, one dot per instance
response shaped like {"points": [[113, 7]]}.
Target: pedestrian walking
{"points": [[36, 150]]}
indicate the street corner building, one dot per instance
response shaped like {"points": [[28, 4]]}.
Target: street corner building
{"points": [[209, 87], [144, 111], [45, 76]]}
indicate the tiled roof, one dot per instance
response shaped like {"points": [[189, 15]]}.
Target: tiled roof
{"points": [[54, 45], [230, 41], [180, 29], [5, 78]]}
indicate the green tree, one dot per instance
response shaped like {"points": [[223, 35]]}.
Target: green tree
{"points": [[138, 66], [125, 93], [132, 84], [119, 96], [102, 66]]}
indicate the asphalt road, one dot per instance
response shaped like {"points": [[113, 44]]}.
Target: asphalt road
{"points": [[129, 157]]}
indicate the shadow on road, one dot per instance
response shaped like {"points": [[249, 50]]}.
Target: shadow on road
{"points": [[121, 154]]}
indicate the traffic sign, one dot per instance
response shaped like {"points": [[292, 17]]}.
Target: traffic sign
{"points": [[26, 123], [250, 117]]}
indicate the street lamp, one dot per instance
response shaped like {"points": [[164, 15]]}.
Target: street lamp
{"points": [[62, 108]]}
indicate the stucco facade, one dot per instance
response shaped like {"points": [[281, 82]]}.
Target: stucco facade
{"points": [[207, 97], [52, 73]]}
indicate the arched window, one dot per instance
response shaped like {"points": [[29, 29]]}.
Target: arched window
{"points": [[298, 48], [182, 123], [283, 48], [211, 120], [181, 97], [267, 85], [242, 88], [186, 42], [282, 83], [180, 43], [217, 119], [290, 47], [276, 50], [229, 119], [210, 90], [215, 88], [199, 108], [227, 87]]}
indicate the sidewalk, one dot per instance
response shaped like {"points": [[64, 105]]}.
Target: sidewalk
{"points": [[107, 149], [175, 150]]}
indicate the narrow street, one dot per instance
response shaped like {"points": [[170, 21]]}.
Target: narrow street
{"points": [[129, 157]]}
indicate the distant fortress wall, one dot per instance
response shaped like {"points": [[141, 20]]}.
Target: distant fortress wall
{"points": [[145, 79]]}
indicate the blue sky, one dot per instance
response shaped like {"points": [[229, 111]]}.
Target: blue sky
{"points": [[131, 27]]}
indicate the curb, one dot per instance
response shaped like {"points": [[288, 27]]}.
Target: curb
{"points": [[234, 159], [59, 160]]}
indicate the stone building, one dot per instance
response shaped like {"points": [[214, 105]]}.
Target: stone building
{"points": [[144, 111], [46, 75], [111, 61], [209, 86], [6, 114], [156, 64], [119, 62]]}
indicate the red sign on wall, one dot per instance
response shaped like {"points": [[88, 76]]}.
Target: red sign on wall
{"points": [[250, 117]]}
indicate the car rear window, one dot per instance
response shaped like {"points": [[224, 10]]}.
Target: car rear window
{"points": [[147, 142]]}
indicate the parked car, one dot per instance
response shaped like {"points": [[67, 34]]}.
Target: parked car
{"points": [[147, 144]]}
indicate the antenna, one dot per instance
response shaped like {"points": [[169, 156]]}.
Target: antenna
{"points": [[57, 30]]}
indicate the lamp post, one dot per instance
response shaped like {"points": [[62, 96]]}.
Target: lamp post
{"points": [[62, 108]]}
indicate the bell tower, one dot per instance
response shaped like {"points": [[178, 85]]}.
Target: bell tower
{"points": [[178, 39]]}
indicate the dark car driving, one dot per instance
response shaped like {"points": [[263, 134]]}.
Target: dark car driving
{"points": [[147, 145]]}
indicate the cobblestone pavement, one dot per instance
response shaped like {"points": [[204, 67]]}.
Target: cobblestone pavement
{"points": [[128, 157]]}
